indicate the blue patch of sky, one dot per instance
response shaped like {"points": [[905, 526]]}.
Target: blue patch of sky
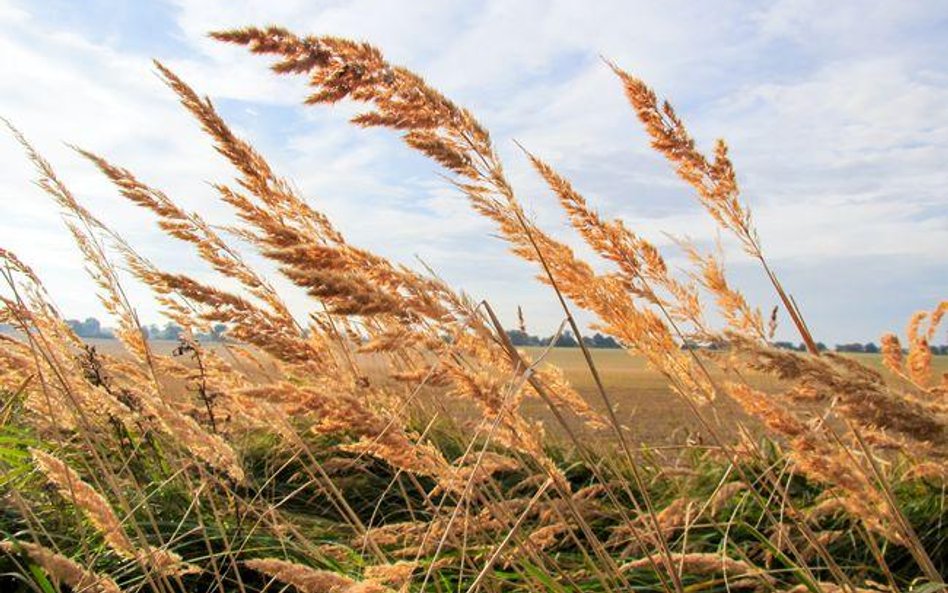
{"points": [[928, 35], [271, 124], [148, 28], [720, 77]]}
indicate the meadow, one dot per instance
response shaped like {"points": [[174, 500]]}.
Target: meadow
{"points": [[393, 439]]}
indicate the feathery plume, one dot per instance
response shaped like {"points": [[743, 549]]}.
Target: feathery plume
{"points": [[713, 179], [62, 569], [99, 512], [311, 580], [702, 564], [892, 354], [93, 505]]}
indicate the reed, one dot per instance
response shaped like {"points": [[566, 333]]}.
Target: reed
{"points": [[329, 452]]}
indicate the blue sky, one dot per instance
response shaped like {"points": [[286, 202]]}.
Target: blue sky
{"points": [[837, 115]]}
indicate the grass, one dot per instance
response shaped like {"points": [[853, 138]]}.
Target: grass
{"points": [[389, 440]]}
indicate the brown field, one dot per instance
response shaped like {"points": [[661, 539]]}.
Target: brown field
{"points": [[645, 404]]}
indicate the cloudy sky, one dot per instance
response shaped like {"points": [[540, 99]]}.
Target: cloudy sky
{"points": [[836, 112]]}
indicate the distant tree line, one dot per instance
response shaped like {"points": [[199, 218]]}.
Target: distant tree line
{"points": [[868, 348], [92, 328], [564, 340], [173, 331]]}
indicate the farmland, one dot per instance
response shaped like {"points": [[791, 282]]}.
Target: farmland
{"points": [[651, 412]]}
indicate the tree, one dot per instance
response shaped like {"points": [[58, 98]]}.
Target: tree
{"points": [[172, 331], [565, 340], [519, 337], [855, 347], [600, 341], [217, 332], [90, 328]]}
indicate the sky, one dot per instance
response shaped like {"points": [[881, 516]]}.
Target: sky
{"points": [[836, 114]]}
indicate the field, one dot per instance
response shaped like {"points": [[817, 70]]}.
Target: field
{"points": [[654, 415], [393, 439], [637, 393]]}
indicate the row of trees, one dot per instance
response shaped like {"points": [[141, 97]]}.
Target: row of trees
{"points": [[868, 348], [173, 331], [564, 340], [92, 328]]}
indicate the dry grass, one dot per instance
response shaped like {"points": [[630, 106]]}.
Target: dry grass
{"points": [[392, 439]]}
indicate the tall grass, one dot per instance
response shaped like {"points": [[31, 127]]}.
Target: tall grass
{"points": [[281, 459]]}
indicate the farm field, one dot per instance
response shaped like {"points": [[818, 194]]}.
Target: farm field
{"points": [[644, 401], [645, 405]]}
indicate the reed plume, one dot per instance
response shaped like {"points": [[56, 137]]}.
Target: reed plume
{"points": [[92, 504], [62, 569], [714, 180], [100, 513], [310, 580]]}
